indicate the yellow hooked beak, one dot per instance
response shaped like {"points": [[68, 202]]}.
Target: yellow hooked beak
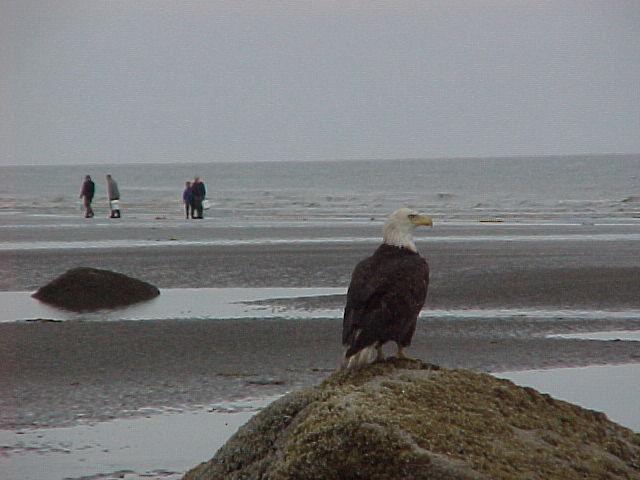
{"points": [[422, 220]]}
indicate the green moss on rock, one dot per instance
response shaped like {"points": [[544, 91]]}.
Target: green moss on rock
{"points": [[409, 420]]}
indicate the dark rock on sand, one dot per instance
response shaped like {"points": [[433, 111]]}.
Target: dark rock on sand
{"points": [[86, 289], [409, 420]]}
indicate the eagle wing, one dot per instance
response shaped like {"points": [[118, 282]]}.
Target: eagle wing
{"points": [[384, 299], [365, 283]]}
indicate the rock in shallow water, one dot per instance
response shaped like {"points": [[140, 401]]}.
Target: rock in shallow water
{"points": [[86, 289], [409, 420]]}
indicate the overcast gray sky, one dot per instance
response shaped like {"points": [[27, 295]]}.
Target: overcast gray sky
{"points": [[168, 81]]}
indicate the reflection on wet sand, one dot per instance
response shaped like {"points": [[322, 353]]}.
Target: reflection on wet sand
{"points": [[133, 448], [612, 389]]}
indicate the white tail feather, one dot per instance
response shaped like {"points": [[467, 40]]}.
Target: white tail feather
{"points": [[364, 357]]}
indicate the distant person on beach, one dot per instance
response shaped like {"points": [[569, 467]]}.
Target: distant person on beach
{"points": [[187, 199], [87, 192], [198, 192], [114, 197]]}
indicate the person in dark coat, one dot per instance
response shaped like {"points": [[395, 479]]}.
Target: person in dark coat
{"points": [[87, 192], [114, 197], [198, 192], [187, 199]]}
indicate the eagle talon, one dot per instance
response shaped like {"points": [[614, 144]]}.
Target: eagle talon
{"points": [[403, 356]]}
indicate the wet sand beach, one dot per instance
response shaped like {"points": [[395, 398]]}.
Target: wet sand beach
{"points": [[591, 266], [54, 374]]}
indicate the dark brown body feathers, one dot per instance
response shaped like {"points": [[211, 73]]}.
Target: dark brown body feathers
{"points": [[385, 296]]}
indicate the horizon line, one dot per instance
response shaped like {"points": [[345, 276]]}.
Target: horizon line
{"points": [[334, 160]]}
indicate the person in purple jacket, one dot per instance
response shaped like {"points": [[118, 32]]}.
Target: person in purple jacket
{"points": [[187, 199]]}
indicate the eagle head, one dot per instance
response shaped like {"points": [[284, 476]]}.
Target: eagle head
{"points": [[399, 227]]}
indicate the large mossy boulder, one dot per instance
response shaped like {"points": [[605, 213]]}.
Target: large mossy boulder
{"points": [[409, 420], [87, 289]]}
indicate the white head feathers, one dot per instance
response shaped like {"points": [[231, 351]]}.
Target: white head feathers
{"points": [[399, 227]]}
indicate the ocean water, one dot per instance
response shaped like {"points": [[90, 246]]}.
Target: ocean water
{"points": [[522, 189]]}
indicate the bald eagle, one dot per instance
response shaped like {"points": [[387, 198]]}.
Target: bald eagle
{"points": [[386, 293]]}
